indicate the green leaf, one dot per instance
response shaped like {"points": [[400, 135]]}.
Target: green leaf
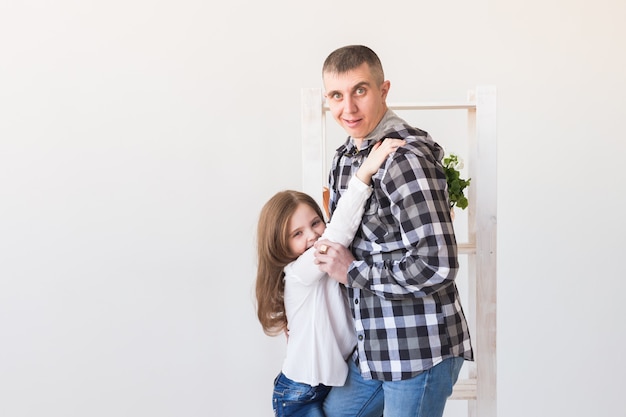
{"points": [[456, 184]]}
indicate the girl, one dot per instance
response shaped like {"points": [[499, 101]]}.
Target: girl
{"points": [[295, 297]]}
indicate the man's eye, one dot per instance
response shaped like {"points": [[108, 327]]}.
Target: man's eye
{"points": [[336, 96], [360, 91]]}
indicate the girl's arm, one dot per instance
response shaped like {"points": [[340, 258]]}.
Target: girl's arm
{"points": [[349, 211]]}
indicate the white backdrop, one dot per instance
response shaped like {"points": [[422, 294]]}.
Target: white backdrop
{"points": [[139, 139]]}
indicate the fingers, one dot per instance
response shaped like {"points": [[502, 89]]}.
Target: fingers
{"points": [[322, 246], [388, 145], [393, 143], [321, 254]]}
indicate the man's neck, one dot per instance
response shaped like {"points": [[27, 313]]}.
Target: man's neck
{"points": [[358, 142]]}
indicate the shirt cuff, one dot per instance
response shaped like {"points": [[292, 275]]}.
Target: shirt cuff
{"points": [[356, 183], [353, 273]]}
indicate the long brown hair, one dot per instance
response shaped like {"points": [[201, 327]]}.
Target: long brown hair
{"points": [[273, 255]]}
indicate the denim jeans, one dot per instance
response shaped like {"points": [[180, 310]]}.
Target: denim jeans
{"points": [[424, 395], [294, 399]]}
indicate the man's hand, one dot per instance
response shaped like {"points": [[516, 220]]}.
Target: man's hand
{"points": [[334, 259]]}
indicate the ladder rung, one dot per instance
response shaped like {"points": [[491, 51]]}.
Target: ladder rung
{"points": [[466, 248], [464, 389]]}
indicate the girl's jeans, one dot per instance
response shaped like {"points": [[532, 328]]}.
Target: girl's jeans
{"points": [[294, 399]]}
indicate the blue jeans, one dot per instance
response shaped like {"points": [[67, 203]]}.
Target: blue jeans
{"points": [[424, 395], [294, 399]]}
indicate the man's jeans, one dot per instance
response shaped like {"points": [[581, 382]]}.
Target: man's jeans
{"points": [[424, 395]]}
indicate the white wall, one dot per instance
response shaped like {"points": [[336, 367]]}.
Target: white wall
{"points": [[139, 139]]}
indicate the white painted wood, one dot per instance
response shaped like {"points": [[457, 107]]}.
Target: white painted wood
{"points": [[486, 255], [313, 143], [479, 388], [465, 389], [470, 310], [466, 248]]}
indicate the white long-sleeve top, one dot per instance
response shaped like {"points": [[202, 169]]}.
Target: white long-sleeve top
{"points": [[321, 329]]}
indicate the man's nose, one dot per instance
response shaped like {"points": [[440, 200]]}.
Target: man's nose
{"points": [[349, 105]]}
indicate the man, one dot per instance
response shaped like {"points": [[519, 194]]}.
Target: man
{"points": [[411, 331]]}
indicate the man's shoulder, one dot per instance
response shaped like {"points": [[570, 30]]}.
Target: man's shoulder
{"points": [[405, 131], [396, 127], [418, 142]]}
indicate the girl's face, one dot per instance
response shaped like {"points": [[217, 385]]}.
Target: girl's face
{"points": [[304, 228]]}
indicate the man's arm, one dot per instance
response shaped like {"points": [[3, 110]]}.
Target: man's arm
{"points": [[423, 258]]}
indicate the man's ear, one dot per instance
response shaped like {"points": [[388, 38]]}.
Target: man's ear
{"points": [[384, 89]]}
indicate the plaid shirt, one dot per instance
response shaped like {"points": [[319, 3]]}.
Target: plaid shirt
{"points": [[401, 289]]}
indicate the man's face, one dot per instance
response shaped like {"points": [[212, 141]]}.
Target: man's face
{"points": [[355, 100]]}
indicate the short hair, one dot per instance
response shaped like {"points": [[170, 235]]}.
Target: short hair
{"points": [[350, 57]]}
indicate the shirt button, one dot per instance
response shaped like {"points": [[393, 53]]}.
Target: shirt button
{"points": [[361, 337], [356, 301]]}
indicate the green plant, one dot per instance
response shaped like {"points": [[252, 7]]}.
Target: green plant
{"points": [[452, 164]]}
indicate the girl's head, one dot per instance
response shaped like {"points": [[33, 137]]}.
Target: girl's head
{"points": [[289, 224]]}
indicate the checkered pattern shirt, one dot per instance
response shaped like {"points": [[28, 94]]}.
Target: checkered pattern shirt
{"points": [[401, 288]]}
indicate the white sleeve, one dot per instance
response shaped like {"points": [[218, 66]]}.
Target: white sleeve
{"points": [[341, 229]]}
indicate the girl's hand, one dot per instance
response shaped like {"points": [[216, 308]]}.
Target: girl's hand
{"points": [[379, 153]]}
